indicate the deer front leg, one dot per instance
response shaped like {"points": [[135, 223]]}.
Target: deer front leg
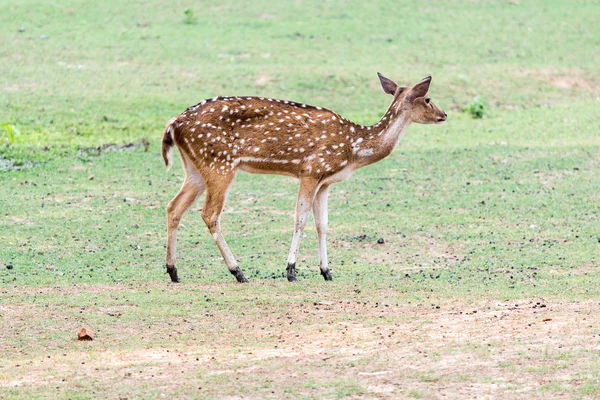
{"points": [[189, 192], [211, 214], [321, 219], [306, 195]]}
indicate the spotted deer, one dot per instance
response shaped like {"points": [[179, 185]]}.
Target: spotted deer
{"points": [[220, 136]]}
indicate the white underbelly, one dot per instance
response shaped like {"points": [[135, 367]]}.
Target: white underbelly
{"points": [[252, 169], [339, 176]]}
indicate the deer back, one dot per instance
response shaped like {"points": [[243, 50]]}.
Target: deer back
{"points": [[265, 136]]}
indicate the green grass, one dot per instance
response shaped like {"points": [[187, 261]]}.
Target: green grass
{"points": [[473, 212], [509, 218], [116, 71]]}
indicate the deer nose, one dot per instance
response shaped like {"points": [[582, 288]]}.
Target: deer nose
{"points": [[445, 115]]}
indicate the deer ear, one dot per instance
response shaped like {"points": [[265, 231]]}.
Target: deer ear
{"points": [[420, 89], [388, 85]]}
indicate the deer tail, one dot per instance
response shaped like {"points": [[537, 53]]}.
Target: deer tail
{"points": [[167, 143]]}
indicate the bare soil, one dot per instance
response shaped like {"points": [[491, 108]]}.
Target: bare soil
{"points": [[563, 79], [322, 349]]}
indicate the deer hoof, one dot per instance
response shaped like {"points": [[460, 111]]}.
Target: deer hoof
{"points": [[327, 275], [239, 275], [291, 272], [172, 271]]}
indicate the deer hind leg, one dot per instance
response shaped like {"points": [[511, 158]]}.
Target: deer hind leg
{"points": [[192, 188], [211, 214], [321, 219], [306, 195]]}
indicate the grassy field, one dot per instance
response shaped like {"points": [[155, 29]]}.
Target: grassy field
{"points": [[486, 285]]}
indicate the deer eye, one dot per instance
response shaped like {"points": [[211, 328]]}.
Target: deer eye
{"points": [[427, 100]]}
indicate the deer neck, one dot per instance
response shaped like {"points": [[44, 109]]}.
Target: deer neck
{"points": [[375, 142]]}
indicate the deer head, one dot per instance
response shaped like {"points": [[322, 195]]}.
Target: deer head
{"points": [[414, 101]]}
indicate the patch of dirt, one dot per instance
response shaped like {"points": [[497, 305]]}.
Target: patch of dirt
{"points": [[563, 79], [13, 87], [109, 147], [550, 178], [263, 80], [22, 221], [120, 64], [15, 165], [377, 348], [266, 16], [395, 250]]}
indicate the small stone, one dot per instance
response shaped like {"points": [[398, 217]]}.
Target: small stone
{"points": [[85, 334], [9, 266], [380, 241]]}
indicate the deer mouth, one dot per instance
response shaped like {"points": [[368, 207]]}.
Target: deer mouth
{"points": [[440, 120]]}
